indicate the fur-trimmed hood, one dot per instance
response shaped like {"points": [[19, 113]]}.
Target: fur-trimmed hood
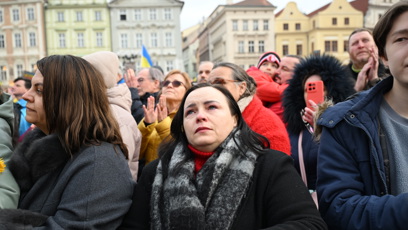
{"points": [[336, 82]]}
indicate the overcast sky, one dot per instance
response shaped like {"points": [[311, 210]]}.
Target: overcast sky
{"points": [[194, 11]]}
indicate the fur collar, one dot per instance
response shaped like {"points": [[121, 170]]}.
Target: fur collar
{"points": [[36, 156], [336, 83]]}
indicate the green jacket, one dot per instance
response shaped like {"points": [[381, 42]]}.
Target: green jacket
{"points": [[9, 190]]}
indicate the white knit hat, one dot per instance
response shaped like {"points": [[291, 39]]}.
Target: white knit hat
{"points": [[107, 63]]}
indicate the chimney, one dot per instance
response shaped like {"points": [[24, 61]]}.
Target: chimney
{"points": [[229, 2]]}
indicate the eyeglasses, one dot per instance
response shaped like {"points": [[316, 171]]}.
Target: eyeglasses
{"points": [[175, 83], [221, 81]]}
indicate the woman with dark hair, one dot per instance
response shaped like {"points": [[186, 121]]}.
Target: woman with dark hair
{"points": [[72, 168], [336, 88], [216, 173]]}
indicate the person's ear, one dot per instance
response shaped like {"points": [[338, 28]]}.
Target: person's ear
{"points": [[384, 60], [242, 88], [157, 84], [235, 121]]}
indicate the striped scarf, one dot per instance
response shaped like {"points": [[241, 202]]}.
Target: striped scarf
{"points": [[211, 199]]}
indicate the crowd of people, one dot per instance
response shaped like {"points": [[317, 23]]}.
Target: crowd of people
{"points": [[84, 145]]}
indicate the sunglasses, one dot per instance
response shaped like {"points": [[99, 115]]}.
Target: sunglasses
{"points": [[175, 83], [221, 81]]}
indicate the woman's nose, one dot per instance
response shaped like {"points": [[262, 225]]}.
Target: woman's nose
{"points": [[201, 116]]}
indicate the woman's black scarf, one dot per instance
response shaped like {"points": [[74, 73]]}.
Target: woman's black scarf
{"points": [[209, 200]]}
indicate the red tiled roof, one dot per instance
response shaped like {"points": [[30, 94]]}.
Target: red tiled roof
{"points": [[361, 5], [253, 3]]}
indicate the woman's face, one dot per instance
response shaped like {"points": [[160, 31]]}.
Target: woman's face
{"points": [[172, 91], [35, 107], [207, 119]]}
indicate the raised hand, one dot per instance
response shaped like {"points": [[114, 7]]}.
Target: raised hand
{"points": [[130, 79], [150, 111], [162, 108]]}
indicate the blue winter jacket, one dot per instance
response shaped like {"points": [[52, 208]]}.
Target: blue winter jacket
{"points": [[351, 184]]}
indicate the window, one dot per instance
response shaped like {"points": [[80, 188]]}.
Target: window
{"points": [[285, 50], [334, 21], [314, 24], [79, 16], [153, 39], [17, 40], [169, 39], [80, 39], [346, 21], [334, 46], [312, 46], [266, 24], [1, 16], [255, 25], [299, 50], [167, 14], [98, 16], [169, 66], [261, 46], [297, 26], [330, 46], [19, 68], [251, 47], [245, 25], [16, 15], [3, 74], [32, 39], [285, 26], [345, 45], [122, 15], [153, 14], [60, 16], [139, 40], [61, 38], [138, 14], [241, 47], [234, 25], [99, 39], [124, 40], [327, 46], [2, 41], [30, 14]]}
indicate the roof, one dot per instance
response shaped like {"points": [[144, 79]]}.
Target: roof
{"points": [[360, 5], [253, 3]]}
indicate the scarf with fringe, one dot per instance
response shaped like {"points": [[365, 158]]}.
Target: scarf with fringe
{"points": [[209, 200]]}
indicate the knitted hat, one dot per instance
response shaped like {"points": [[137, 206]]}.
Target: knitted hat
{"points": [[269, 56], [107, 63]]}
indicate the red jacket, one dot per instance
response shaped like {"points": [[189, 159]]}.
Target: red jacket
{"points": [[268, 91], [267, 123]]}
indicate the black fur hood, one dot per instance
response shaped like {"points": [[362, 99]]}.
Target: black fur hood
{"points": [[336, 82]]}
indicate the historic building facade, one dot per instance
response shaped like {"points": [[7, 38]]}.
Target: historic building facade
{"points": [[77, 27], [22, 37], [152, 23]]}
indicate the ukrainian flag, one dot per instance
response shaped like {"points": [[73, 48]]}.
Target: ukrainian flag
{"points": [[146, 61]]}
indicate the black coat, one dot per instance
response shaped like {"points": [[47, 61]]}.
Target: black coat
{"points": [[276, 198]]}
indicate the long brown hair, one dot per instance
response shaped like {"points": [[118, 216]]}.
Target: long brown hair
{"points": [[75, 103]]}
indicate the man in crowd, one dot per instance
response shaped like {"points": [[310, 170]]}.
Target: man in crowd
{"points": [[204, 70], [364, 68], [21, 86], [363, 161]]}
